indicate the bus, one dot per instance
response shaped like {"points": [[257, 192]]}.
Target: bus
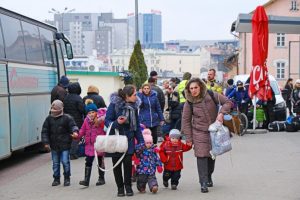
{"points": [[31, 62]]}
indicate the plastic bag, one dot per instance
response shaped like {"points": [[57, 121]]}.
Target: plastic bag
{"points": [[220, 139]]}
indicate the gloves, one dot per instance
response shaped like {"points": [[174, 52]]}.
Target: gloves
{"points": [[137, 161], [159, 169], [156, 149]]}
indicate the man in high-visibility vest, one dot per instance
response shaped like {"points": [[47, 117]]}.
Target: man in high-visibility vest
{"points": [[212, 84], [181, 86]]}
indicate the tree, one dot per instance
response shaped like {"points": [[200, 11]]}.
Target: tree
{"points": [[137, 66]]}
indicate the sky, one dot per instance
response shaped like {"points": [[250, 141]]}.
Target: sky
{"points": [[181, 19]]}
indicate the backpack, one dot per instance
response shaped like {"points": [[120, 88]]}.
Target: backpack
{"points": [[211, 94]]}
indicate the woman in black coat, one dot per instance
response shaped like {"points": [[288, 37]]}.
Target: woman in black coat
{"points": [[122, 112]]}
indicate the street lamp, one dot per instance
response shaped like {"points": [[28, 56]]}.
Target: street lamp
{"points": [[61, 13]]}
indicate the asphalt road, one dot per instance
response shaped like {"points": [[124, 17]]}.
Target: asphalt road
{"points": [[260, 166]]}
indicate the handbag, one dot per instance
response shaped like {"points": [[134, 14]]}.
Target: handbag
{"points": [[111, 143]]}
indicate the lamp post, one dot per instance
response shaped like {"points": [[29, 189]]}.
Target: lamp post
{"points": [[61, 13]]}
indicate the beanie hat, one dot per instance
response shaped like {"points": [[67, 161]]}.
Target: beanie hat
{"points": [[90, 106], [57, 108], [147, 135], [239, 83], [175, 133], [93, 89], [64, 81]]}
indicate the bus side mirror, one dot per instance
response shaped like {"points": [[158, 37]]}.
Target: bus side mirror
{"points": [[69, 50]]}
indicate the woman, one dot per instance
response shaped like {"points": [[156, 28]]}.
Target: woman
{"points": [[122, 112], [289, 87], [199, 112], [150, 112]]}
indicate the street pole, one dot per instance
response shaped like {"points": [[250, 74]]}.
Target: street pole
{"points": [[136, 21]]}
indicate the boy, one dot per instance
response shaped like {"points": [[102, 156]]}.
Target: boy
{"points": [[171, 154], [57, 133]]}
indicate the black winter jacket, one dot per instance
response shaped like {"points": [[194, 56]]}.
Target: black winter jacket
{"points": [[57, 132], [73, 104], [98, 100]]}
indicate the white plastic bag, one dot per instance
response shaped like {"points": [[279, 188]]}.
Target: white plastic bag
{"points": [[220, 139], [111, 143]]}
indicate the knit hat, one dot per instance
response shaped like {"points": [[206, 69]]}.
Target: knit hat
{"points": [[147, 135], [239, 83], [90, 106], [57, 108], [64, 81], [93, 89], [175, 133]]}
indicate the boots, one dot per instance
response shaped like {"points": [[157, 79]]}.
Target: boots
{"points": [[121, 192], [210, 182], [129, 191], [204, 188], [101, 180], [67, 181], [56, 181], [87, 176]]}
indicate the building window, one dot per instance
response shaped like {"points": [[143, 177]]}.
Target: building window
{"points": [[294, 6], [280, 70], [280, 39]]}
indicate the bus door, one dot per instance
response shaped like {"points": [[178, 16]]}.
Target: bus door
{"points": [[5, 138]]}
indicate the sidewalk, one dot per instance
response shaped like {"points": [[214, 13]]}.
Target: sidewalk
{"points": [[260, 167]]}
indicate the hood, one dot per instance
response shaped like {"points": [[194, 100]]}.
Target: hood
{"points": [[74, 88], [118, 101], [203, 91]]}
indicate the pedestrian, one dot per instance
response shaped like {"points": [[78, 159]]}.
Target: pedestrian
{"points": [[93, 93], [289, 87], [57, 133], [240, 97], [74, 106], [199, 112], [180, 87], [171, 154], [149, 162], [93, 126], [212, 83], [150, 113], [296, 98], [230, 87], [159, 93], [60, 90], [122, 112]]}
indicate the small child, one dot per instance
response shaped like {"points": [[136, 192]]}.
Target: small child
{"points": [[57, 133], [92, 126], [149, 161], [171, 154]]}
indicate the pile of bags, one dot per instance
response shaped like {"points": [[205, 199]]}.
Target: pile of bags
{"points": [[292, 124]]}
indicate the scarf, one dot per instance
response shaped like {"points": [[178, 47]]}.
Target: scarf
{"points": [[129, 112]]}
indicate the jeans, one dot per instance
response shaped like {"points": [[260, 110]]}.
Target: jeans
{"points": [[64, 158]]}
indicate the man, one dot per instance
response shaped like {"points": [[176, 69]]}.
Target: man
{"points": [[181, 86], [60, 90], [160, 93], [212, 84], [154, 75]]}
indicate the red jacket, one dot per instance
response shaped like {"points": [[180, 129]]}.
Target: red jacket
{"points": [[172, 154]]}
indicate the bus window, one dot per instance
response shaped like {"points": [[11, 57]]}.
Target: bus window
{"points": [[1, 43], [13, 36], [47, 46], [32, 43]]}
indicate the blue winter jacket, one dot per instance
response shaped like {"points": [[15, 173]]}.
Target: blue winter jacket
{"points": [[150, 112], [241, 97], [116, 109]]}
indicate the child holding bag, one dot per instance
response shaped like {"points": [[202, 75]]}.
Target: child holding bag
{"points": [[171, 154], [149, 161], [93, 126]]}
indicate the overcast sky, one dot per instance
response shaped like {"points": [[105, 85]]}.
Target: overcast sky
{"points": [[181, 19]]}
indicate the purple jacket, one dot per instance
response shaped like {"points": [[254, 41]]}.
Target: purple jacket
{"points": [[90, 132]]}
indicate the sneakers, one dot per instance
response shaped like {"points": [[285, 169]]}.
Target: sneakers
{"points": [[56, 182], [174, 187], [154, 189], [166, 184]]}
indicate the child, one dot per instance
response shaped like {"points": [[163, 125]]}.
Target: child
{"points": [[171, 154], [149, 161], [93, 126], [57, 133]]}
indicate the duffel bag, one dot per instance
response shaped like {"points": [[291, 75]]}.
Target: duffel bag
{"points": [[291, 127], [277, 126]]}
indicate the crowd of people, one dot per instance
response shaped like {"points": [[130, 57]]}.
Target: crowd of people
{"points": [[147, 116]]}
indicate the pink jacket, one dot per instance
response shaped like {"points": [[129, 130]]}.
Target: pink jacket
{"points": [[90, 132]]}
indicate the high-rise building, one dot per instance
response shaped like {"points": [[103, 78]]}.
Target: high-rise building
{"points": [[150, 29]]}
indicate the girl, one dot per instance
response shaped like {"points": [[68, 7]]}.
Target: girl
{"points": [[92, 127], [147, 154]]}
